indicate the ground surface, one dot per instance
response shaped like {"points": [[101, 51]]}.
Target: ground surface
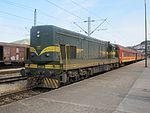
{"points": [[11, 87], [125, 90]]}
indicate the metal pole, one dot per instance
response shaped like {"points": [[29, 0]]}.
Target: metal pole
{"points": [[35, 17], [145, 37], [89, 26]]}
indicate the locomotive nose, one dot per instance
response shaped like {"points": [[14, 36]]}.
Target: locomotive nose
{"points": [[44, 54]]}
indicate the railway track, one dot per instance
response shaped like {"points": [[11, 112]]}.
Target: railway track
{"points": [[12, 79], [9, 97], [10, 70], [13, 97], [10, 67]]}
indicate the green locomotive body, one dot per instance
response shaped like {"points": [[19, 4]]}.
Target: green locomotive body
{"points": [[59, 56]]}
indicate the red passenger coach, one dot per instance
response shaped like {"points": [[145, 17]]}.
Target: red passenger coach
{"points": [[126, 55], [140, 56]]}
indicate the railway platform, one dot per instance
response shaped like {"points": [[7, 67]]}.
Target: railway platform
{"points": [[124, 90]]}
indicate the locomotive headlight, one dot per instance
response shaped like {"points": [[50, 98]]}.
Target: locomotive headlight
{"points": [[47, 55], [38, 34]]}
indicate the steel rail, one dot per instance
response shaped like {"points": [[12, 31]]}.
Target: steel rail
{"points": [[12, 79]]}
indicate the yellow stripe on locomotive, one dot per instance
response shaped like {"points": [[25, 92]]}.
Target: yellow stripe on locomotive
{"points": [[47, 66], [45, 50]]}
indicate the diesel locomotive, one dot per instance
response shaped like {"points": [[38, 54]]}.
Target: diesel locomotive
{"points": [[59, 56]]}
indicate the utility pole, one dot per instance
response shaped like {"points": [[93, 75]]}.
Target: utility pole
{"points": [[145, 36], [89, 26], [35, 17], [89, 32]]}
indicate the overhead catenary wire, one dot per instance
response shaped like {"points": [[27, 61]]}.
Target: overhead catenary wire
{"points": [[28, 8], [80, 27], [10, 33], [89, 21], [17, 4], [90, 12], [80, 6], [65, 10], [20, 17], [98, 26], [10, 14], [112, 27], [11, 25]]}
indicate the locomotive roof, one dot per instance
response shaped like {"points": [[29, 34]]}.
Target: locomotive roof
{"points": [[70, 33]]}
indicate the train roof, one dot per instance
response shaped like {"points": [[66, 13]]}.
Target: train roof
{"points": [[126, 48], [70, 33], [13, 44]]}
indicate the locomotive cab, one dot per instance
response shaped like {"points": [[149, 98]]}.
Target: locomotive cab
{"points": [[43, 49], [44, 61]]}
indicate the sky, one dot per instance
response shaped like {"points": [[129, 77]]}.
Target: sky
{"points": [[124, 23]]}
